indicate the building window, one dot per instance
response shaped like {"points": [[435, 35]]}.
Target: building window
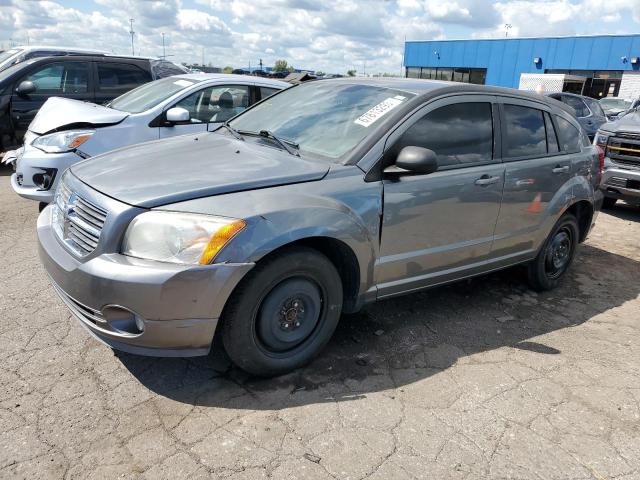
{"points": [[413, 72], [464, 75]]}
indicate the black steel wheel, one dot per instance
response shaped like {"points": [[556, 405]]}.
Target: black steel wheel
{"points": [[283, 313], [556, 255]]}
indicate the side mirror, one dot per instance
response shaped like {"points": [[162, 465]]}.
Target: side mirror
{"points": [[178, 115], [26, 87], [414, 160]]}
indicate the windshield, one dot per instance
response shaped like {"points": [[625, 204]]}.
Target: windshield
{"points": [[8, 54], [615, 103], [322, 118], [150, 94]]}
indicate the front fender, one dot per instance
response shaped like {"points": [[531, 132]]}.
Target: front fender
{"points": [[310, 218]]}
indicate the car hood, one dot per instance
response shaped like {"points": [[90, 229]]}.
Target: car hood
{"points": [[629, 123], [193, 166], [64, 113]]}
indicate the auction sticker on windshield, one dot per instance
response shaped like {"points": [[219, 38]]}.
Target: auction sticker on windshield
{"points": [[379, 110]]}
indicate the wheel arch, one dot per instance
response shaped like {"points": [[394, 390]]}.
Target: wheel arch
{"points": [[343, 258], [583, 211]]}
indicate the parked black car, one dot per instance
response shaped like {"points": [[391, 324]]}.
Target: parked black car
{"points": [[25, 87], [588, 111]]}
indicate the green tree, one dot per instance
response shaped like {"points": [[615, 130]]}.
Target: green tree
{"points": [[280, 66], [351, 73], [227, 69]]}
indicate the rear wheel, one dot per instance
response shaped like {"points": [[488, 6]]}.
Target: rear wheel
{"points": [[556, 255], [609, 202], [283, 314]]}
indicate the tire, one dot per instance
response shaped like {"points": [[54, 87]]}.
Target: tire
{"points": [[609, 202], [42, 206], [283, 313], [556, 255]]}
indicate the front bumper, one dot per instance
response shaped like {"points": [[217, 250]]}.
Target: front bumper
{"points": [[139, 306], [621, 183], [31, 161]]}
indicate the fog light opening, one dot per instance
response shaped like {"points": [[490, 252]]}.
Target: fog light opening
{"points": [[44, 179], [123, 321]]}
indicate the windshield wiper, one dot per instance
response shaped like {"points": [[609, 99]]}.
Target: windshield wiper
{"points": [[289, 146], [233, 131]]}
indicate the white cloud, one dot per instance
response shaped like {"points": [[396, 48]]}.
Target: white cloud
{"points": [[329, 35]]}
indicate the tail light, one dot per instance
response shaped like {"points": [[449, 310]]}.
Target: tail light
{"points": [[601, 158]]}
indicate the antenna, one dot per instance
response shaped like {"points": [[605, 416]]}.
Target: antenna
{"points": [[132, 33], [507, 26]]}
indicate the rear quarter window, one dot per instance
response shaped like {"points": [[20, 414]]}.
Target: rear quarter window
{"points": [[570, 137]]}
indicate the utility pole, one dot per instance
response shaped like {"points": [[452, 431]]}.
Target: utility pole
{"points": [[203, 56], [164, 55], [507, 26], [132, 33], [260, 64]]}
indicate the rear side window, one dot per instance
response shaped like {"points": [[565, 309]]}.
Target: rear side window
{"points": [[578, 105], [525, 132], [569, 135], [461, 133], [552, 138], [120, 77]]}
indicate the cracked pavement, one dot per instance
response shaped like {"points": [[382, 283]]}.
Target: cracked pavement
{"points": [[481, 379]]}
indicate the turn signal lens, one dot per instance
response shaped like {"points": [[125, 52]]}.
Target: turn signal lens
{"points": [[219, 239], [79, 140]]}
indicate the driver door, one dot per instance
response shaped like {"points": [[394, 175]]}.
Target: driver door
{"points": [[209, 106], [438, 227]]}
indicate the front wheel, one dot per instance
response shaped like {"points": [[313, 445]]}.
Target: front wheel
{"points": [[283, 313], [555, 256]]}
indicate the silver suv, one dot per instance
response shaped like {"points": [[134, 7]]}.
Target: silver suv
{"points": [[620, 141], [314, 202]]}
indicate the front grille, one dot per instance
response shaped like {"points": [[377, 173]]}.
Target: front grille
{"points": [[617, 182], [624, 149], [77, 222]]}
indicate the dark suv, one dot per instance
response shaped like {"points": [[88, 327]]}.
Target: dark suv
{"points": [[25, 87], [588, 111], [315, 201]]}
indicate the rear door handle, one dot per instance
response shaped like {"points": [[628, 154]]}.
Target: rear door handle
{"points": [[486, 180], [559, 169]]}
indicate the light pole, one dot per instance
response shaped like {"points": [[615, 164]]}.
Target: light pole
{"points": [[507, 26], [132, 34], [164, 56]]}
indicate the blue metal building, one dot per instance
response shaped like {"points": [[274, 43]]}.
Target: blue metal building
{"points": [[609, 63]]}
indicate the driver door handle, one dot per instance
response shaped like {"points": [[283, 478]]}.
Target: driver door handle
{"points": [[559, 169], [487, 180]]}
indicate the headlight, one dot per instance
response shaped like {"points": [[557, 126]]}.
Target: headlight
{"points": [[179, 237], [61, 142], [601, 140]]}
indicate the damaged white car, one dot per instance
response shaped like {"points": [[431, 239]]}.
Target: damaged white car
{"points": [[66, 131]]}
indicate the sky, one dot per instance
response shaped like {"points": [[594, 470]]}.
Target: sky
{"points": [[332, 36]]}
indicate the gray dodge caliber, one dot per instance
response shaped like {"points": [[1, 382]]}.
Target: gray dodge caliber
{"points": [[314, 202]]}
